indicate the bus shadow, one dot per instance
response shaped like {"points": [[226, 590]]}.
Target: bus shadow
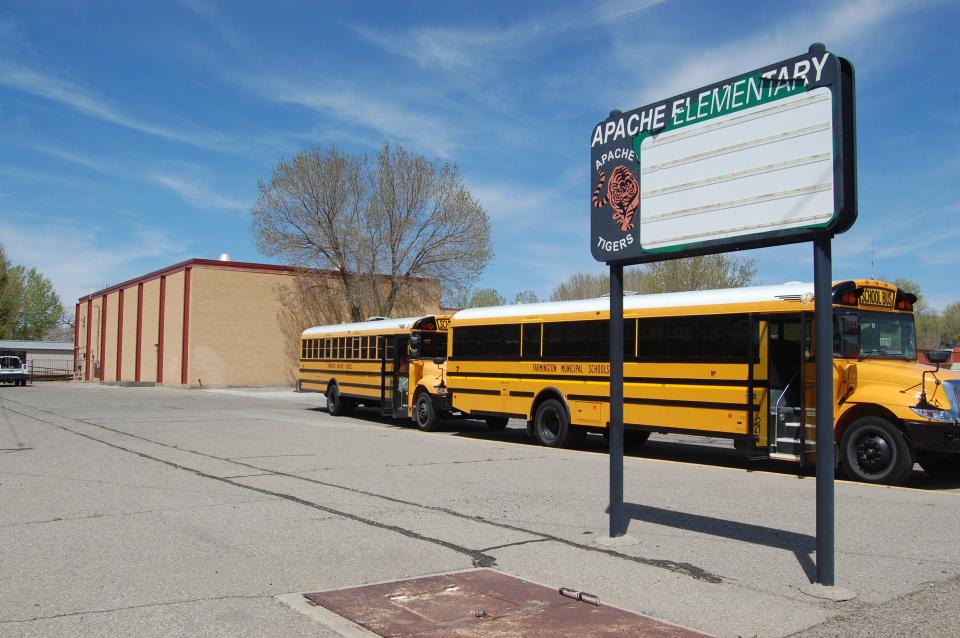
{"points": [[676, 448], [801, 545]]}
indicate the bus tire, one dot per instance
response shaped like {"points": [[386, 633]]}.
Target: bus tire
{"points": [[424, 413], [336, 404], [496, 422], [873, 450], [942, 466], [551, 426]]}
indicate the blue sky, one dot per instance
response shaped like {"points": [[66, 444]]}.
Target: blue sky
{"points": [[132, 135]]}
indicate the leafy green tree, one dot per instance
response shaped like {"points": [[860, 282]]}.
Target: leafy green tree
{"points": [[39, 308], [927, 319], [950, 324], [10, 287]]}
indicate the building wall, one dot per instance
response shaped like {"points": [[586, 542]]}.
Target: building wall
{"points": [[173, 329], [90, 330], [129, 355], [109, 361], [151, 325], [235, 335], [243, 327]]}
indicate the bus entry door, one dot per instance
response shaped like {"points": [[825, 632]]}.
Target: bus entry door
{"points": [[758, 389], [401, 376], [394, 376]]}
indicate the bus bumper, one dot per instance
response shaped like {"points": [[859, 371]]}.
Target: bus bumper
{"points": [[442, 402], [934, 437]]}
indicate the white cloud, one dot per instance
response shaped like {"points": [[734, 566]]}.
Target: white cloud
{"points": [[457, 48], [839, 25], [188, 187], [79, 261], [515, 206], [195, 192], [90, 104], [369, 110]]}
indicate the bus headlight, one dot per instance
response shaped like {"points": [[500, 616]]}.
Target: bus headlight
{"points": [[934, 415]]}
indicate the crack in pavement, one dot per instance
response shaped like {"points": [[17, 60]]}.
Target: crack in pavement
{"points": [[687, 569], [479, 559], [526, 542], [143, 606], [68, 519]]}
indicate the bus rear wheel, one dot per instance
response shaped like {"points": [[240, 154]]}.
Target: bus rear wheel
{"points": [[944, 466], [336, 404], [873, 450], [551, 426], [424, 414]]}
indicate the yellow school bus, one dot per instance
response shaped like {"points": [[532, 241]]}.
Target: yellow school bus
{"points": [[384, 363], [736, 363]]}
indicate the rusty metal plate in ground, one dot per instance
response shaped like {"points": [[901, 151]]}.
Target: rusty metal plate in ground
{"points": [[448, 605]]}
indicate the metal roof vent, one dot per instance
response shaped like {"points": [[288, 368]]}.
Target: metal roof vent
{"points": [[224, 257]]}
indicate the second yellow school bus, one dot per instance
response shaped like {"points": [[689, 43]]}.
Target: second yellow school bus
{"points": [[384, 363], [736, 363]]}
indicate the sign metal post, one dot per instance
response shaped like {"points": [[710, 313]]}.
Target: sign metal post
{"points": [[823, 327], [615, 430]]}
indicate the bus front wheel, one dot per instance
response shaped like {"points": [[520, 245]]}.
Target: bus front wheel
{"points": [[336, 404], [872, 450], [551, 426], [424, 414]]}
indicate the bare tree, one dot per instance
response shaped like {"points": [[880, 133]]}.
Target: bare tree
{"points": [[395, 228], [707, 272], [525, 296], [693, 273], [581, 285]]}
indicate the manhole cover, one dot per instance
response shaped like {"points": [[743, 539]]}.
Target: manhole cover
{"points": [[482, 603]]}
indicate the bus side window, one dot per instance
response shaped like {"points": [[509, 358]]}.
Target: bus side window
{"points": [[303, 348], [532, 333]]}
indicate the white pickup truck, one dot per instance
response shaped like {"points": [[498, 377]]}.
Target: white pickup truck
{"points": [[12, 370]]}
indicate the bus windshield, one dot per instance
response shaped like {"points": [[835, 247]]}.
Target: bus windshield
{"points": [[885, 335], [432, 344]]}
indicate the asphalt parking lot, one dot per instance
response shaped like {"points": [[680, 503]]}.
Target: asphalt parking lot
{"points": [[158, 512]]}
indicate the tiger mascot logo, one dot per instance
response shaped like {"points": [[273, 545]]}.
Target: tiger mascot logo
{"points": [[623, 195]]}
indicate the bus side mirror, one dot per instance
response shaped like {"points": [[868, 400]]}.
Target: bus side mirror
{"points": [[438, 360], [937, 356], [850, 336], [414, 348]]}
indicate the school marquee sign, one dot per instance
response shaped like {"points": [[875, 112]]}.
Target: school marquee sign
{"points": [[759, 159]]}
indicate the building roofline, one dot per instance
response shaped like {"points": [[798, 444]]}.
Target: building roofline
{"points": [[189, 263], [226, 265]]}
